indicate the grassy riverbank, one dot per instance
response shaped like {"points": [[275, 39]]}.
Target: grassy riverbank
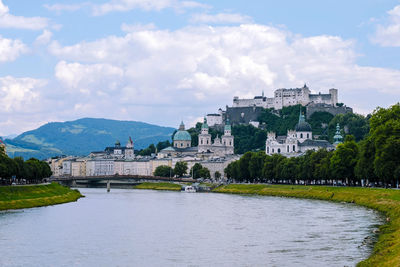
{"points": [[386, 251], [29, 196], [159, 186]]}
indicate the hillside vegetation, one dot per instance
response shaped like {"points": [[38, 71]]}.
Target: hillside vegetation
{"points": [[80, 137]]}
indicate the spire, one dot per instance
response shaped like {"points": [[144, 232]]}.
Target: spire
{"points": [[338, 137], [301, 117], [263, 93], [305, 85], [182, 126]]}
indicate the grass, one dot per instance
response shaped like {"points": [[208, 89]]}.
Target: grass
{"points": [[386, 251], [20, 197], [159, 186]]}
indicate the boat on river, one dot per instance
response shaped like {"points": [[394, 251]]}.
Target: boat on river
{"points": [[190, 189]]}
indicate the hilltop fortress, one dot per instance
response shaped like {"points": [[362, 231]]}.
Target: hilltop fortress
{"points": [[247, 111], [289, 97]]}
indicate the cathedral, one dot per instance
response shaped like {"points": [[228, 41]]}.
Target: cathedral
{"points": [[182, 140], [296, 142]]}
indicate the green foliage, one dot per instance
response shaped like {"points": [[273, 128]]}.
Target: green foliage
{"points": [[344, 159], [318, 120], [357, 125], [248, 138], [164, 171], [287, 119], [218, 175], [385, 137], [148, 151], [32, 170], [181, 168], [198, 171]]}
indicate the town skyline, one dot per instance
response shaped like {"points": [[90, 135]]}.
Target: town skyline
{"points": [[134, 60]]}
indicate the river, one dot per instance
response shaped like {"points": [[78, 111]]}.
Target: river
{"points": [[160, 228]]}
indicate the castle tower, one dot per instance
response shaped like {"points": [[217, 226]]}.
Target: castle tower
{"points": [[129, 149], [334, 96], [228, 139], [204, 138]]}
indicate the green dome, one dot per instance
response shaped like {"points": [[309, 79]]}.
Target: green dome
{"points": [[182, 136], [303, 126]]}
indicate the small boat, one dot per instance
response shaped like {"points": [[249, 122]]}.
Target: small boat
{"points": [[190, 189]]}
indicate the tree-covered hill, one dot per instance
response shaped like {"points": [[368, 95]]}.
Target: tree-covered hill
{"points": [[80, 137]]}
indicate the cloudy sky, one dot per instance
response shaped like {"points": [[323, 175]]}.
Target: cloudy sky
{"points": [[163, 61]]}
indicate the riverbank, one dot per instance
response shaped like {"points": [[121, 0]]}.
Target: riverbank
{"points": [[29, 196], [386, 251], [159, 186]]}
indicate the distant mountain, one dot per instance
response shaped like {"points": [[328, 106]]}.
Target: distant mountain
{"points": [[80, 137]]}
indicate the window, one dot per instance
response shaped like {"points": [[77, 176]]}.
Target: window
{"points": [[267, 149], [272, 150], [207, 141], [308, 136], [201, 141], [294, 148], [301, 135], [287, 148], [279, 150]]}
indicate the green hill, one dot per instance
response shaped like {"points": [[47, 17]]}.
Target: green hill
{"points": [[80, 137]]}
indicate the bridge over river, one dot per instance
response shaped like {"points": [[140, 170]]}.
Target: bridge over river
{"points": [[117, 180]]}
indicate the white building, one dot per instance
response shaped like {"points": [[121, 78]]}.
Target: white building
{"points": [[295, 142], [221, 146], [99, 166]]}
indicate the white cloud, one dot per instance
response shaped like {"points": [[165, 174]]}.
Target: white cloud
{"points": [[195, 70], [44, 38], [8, 20], [19, 94], [11, 49], [221, 18], [65, 7], [389, 35], [137, 27], [86, 77], [147, 5]]}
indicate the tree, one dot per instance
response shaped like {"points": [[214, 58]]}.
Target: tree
{"points": [[344, 159], [256, 164], [385, 134], [365, 168], [217, 175], [164, 171], [181, 168], [195, 170], [205, 173]]}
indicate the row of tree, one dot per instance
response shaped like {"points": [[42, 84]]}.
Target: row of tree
{"points": [[31, 171], [375, 159], [181, 168]]}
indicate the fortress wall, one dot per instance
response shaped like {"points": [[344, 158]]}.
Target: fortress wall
{"points": [[311, 108]]}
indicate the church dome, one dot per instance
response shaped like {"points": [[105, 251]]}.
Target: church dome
{"points": [[303, 126], [182, 136]]}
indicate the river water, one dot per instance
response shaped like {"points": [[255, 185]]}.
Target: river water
{"points": [[157, 228]]}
